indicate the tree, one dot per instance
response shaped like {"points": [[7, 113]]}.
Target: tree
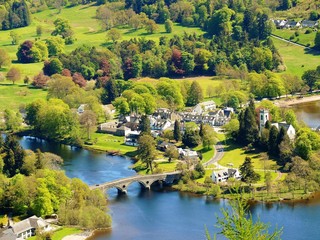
{"points": [[195, 94], [310, 77], [88, 120], [30, 52], [144, 126], [220, 22], [113, 34], [191, 138], [52, 67], [39, 30], [5, 59], [40, 80], [176, 131], [63, 28], [273, 141], [237, 223], [168, 25], [78, 79], [248, 127], [208, 136], [13, 74], [172, 153], [147, 150], [110, 92], [12, 120], [121, 105], [247, 173], [14, 155], [232, 128], [14, 38], [55, 46], [151, 26]]}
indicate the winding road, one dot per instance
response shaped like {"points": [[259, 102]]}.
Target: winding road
{"points": [[218, 154]]}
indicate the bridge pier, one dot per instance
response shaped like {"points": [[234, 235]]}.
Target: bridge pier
{"points": [[122, 191]]}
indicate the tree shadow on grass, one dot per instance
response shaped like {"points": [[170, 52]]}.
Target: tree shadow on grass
{"points": [[312, 51]]}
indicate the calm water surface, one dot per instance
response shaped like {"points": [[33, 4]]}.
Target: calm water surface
{"points": [[309, 113], [166, 215]]}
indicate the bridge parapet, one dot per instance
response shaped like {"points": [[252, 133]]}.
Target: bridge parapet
{"points": [[145, 181]]}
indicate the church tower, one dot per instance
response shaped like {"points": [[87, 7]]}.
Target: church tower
{"points": [[263, 118]]}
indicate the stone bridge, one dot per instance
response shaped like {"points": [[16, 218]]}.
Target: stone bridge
{"points": [[145, 181]]}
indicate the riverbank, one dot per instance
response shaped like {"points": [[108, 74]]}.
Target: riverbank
{"points": [[79, 236], [293, 101]]}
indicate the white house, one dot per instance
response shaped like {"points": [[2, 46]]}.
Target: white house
{"points": [[25, 228], [131, 139], [187, 154], [225, 174], [204, 107], [288, 127], [159, 124]]}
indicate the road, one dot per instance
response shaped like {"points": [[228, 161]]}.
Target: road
{"points": [[285, 40], [218, 154]]}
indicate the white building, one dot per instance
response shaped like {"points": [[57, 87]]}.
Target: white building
{"points": [[263, 118], [204, 107], [291, 132], [25, 228], [187, 154], [225, 174]]}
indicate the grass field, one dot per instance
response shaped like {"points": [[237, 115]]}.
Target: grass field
{"points": [[296, 58], [108, 142], [86, 27], [234, 156], [62, 232], [304, 39], [12, 96]]}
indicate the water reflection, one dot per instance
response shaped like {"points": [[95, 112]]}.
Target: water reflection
{"points": [[309, 113]]}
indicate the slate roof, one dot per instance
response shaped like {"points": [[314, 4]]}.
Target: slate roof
{"points": [[29, 223]]}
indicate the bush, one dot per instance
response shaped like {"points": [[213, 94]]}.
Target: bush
{"points": [[308, 31]]}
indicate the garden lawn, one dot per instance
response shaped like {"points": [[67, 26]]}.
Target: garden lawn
{"points": [[61, 233], [207, 154], [108, 142], [297, 59], [12, 96], [234, 156]]}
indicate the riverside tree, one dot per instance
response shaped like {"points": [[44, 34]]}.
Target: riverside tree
{"points": [[247, 173], [147, 150]]}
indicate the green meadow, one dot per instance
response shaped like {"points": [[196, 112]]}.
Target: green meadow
{"points": [[296, 58], [12, 96], [86, 27], [302, 38]]}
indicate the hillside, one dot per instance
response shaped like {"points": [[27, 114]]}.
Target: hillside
{"points": [[301, 10]]}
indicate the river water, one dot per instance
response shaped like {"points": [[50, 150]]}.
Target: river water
{"points": [[166, 214], [309, 113]]}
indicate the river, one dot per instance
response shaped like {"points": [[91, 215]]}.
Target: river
{"points": [[309, 113], [166, 214]]}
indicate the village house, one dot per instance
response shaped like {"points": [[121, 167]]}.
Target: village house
{"points": [[24, 229], [264, 117], [187, 154], [81, 108], [113, 128], [109, 108], [225, 174], [131, 139], [291, 132], [204, 107], [279, 23], [309, 24]]}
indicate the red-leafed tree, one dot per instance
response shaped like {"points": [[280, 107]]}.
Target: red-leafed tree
{"points": [[66, 72], [40, 80], [77, 78]]}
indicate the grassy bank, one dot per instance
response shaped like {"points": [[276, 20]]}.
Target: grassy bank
{"points": [[107, 142]]}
